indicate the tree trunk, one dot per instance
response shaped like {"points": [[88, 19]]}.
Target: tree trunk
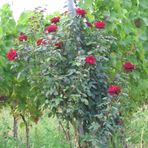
{"points": [[81, 133], [27, 131], [66, 132], [76, 134], [27, 136], [15, 127], [77, 138]]}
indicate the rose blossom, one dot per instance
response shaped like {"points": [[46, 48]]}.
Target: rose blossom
{"points": [[11, 54], [41, 42], [55, 19], [22, 37], [51, 28], [99, 24], [81, 11], [90, 59], [114, 90], [128, 66], [59, 44]]}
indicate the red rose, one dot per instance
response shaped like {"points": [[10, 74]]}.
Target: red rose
{"points": [[55, 19], [22, 37], [51, 28], [11, 54], [89, 24], [99, 24], [41, 42], [59, 44], [128, 66], [114, 90], [90, 59], [80, 11]]}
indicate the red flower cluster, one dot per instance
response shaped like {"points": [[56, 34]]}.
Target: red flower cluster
{"points": [[59, 44], [55, 19], [90, 59], [81, 11], [51, 28], [99, 24], [114, 90], [128, 66], [41, 42], [11, 54], [22, 37]]}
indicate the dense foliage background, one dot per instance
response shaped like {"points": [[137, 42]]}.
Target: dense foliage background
{"points": [[127, 20]]}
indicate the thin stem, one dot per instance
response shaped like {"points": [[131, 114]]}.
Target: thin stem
{"points": [[15, 127], [67, 133], [27, 131]]}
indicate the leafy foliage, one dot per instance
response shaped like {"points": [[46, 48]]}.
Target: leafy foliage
{"points": [[127, 21], [60, 80]]}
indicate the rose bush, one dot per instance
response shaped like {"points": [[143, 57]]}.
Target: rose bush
{"points": [[68, 76], [131, 31], [14, 88]]}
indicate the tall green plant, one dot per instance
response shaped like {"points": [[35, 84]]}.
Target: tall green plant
{"points": [[14, 88], [67, 69], [127, 21]]}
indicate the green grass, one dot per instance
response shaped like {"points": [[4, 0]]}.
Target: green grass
{"points": [[137, 129], [45, 134]]}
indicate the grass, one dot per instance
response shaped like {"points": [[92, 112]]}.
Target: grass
{"points": [[45, 134], [137, 129]]}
